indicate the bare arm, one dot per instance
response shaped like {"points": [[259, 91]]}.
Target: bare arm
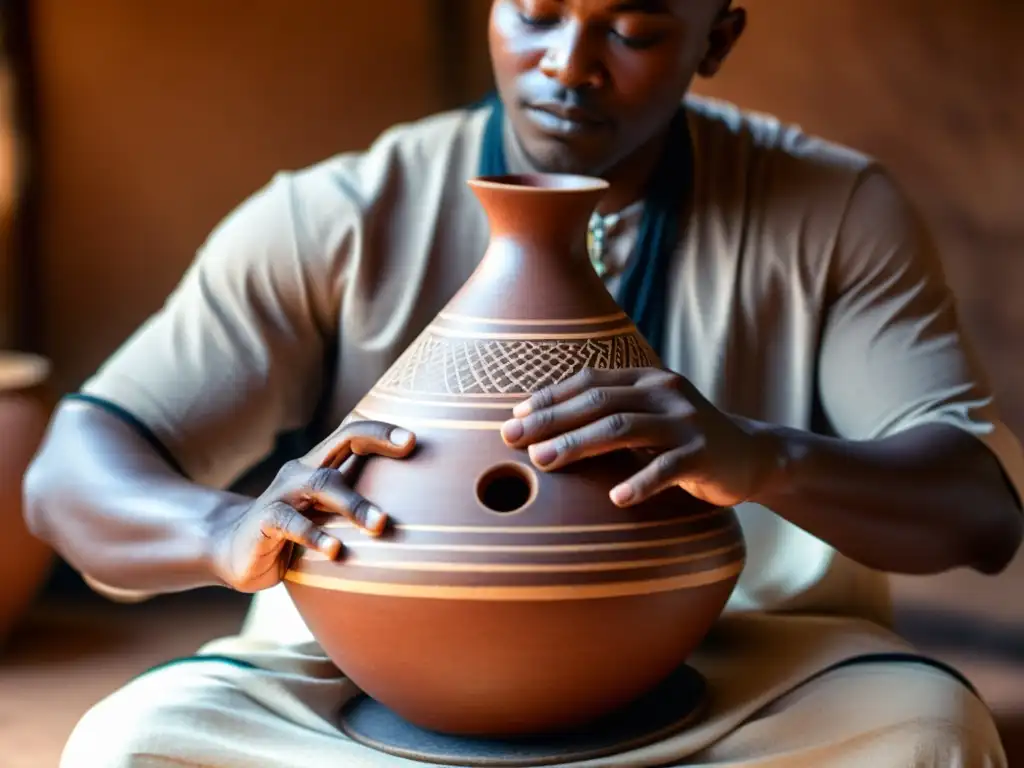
{"points": [[233, 359], [919, 482], [220, 369], [116, 511], [910, 473], [920, 502]]}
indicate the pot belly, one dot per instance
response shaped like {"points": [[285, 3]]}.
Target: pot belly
{"points": [[505, 600], [504, 668]]}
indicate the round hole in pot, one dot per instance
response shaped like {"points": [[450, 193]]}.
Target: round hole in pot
{"points": [[506, 488]]}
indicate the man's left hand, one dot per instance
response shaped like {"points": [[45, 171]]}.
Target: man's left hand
{"points": [[694, 445]]}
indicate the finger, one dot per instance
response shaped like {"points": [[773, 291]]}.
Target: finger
{"points": [[664, 471], [364, 438], [613, 432], [349, 468], [576, 412], [580, 381], [327, 491], [283, 521]]}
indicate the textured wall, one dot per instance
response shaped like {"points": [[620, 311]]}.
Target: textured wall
{"points": [[158, 117], [934, 88]]}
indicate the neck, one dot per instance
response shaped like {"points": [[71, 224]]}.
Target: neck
{"points": [[628, 179]]}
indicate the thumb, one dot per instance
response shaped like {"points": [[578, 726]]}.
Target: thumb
{"points": [[364, 438]]}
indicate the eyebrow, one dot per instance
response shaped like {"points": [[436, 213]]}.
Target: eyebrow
{"points": [[641, 6]]}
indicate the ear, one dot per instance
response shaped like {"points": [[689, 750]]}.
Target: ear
{"points": [[726, 30]]}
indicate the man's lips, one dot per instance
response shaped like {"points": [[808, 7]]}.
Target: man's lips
{"points": [[563, 112], [562, 120]]}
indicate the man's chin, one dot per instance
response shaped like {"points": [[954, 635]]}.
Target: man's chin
{"points": [[557, 156]]}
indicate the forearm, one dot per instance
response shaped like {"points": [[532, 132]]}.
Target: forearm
{"points": [[111, 507], [923, 501]]}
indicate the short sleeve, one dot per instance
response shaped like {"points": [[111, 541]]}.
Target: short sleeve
{"points": [[235, 355], [893, 352]]}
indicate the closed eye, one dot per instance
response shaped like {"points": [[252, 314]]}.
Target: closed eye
{"points": [[537, 22], [638, 42]]}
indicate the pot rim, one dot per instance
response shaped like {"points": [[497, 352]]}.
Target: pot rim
{"points": [[22, 370], [541, 183]]}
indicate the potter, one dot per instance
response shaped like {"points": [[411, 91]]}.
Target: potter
{"points": [[821, 385]]}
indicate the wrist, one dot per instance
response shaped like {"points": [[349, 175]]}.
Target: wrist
{"points": [[779, 451], [217, 530]]}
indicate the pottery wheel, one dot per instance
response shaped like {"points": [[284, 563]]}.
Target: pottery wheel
{"points": [[679, 702]]}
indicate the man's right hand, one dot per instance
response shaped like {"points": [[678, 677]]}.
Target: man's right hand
{"points": [[252, 545]]}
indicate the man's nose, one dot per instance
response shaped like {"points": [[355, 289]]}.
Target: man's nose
{"points": [[570, 58]]}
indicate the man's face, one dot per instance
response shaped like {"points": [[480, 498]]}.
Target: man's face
{"points": [[586, 83]]}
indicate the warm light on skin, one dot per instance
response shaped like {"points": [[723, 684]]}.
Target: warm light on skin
{"points": [[619, 68]]}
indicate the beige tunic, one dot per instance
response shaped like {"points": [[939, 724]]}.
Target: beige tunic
{"points": [[804, 293], [283, 712]]}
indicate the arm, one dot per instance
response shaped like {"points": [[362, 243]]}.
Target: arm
{"points": [[127, 493], [921, 501], [110, 504], [913, 478], [135, 527]]}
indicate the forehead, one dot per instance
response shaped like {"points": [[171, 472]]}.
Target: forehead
{"points": [[669, 7]]}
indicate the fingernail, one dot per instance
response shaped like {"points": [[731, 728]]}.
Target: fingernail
{"points": [[375, 520], [621, 494], [328, 545], [543, 454], [400, 437], [522, 410], [512, 430]]}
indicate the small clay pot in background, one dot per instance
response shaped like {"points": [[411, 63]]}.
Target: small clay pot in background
{"points": [[26, 404]]}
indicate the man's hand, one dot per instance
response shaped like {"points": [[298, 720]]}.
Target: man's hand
{"points": [[252, 544], [693, 445]]}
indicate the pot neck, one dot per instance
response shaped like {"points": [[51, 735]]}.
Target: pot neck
{"points": [[542, 214]]}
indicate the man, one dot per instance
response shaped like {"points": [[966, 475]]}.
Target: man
{"points": [[820, 383]]}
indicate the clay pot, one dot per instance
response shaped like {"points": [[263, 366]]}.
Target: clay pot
{"points": [[503, 600], [25, 408]]}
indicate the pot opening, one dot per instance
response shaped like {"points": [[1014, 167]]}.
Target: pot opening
{"points": [[565, 182], [506, 488]]}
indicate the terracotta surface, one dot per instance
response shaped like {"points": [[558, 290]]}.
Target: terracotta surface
{"points": [[25, 406], [503, 599]]}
